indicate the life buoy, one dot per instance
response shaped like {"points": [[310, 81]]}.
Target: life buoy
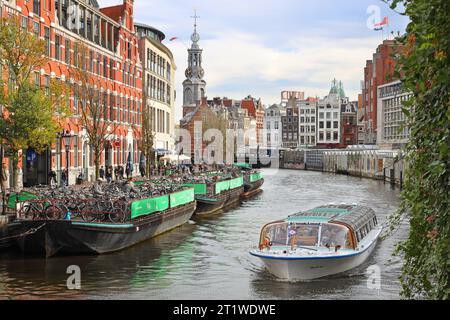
{"points": [[266, 243]]}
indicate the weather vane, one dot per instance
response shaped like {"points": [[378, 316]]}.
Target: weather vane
{"points": [[195, 17]]}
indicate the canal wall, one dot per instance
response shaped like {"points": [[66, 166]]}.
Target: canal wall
{"points": [[385, 165]]}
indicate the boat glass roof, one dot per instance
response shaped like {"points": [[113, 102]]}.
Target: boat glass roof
{"points": [[353, 215]]}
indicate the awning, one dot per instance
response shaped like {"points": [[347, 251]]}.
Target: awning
{"points": [[162, 152]]}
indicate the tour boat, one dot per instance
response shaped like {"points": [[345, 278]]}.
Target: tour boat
{"points": [[323, 241], [148, 218]]}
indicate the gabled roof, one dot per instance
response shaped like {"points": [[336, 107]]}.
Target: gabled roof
{"points": [[188, 117], [114, 12], [249, 104]]}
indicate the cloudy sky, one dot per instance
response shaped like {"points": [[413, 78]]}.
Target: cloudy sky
{"points": [[262, 47]]}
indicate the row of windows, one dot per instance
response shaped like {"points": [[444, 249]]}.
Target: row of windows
{"points": [[158, 64], [364, 230], [307, 111], [307, 129], [327, 136], [276, 125], [88, 24], [122, 110], [90, 61], [328, 115], [84, 157], [158, 90], [395, 132], [307, 120], [290, 136], [328, 107], [275, 137], [160, 120], [328, 125], [308, 140], [289, 119]]}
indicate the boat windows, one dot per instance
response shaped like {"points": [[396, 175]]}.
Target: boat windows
{"points": [[335, 235], [275, 234], [301, 235]]}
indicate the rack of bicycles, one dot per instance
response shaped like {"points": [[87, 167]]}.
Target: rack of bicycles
{"points": [[101, 202]]}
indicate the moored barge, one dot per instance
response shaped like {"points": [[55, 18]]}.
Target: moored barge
{"points": [[212, 197], [147, 218]]}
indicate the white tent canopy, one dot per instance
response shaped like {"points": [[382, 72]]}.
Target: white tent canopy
{"points": [[176, 158]]}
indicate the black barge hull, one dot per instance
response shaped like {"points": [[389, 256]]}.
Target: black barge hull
{"points": [[252, 186], [211, 205], [56, 237]]}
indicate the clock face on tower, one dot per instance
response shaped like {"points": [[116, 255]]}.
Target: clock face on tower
{"points": [[188, 72], [201, 73]]}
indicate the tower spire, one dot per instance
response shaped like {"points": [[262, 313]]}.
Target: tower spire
{"points": [[195, 17]]}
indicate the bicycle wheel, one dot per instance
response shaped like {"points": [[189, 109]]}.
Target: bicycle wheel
{"points": [[89, 213], [54, 212], [26, 211], [116, 213]]}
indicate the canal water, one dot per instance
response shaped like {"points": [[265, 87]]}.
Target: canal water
{"points": [[208, 258]]}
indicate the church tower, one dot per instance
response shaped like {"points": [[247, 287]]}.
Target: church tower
{"points": [[194, 86]]}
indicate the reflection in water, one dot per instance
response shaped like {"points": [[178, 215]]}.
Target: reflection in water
{"points": [[209, 259]]}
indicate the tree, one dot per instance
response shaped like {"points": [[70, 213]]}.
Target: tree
{"points": [[216, 120], [97, 117], [147, 135], [424, 70], [29, 112]]}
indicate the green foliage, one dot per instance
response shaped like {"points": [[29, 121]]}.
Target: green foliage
{"points": [[30, 121], [21, 52], [30, 114], [424, 69]]}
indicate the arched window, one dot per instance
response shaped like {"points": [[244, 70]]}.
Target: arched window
{"points": [[187, 96]]}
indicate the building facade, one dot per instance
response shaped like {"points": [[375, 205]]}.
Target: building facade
{"points": [[378, 71], [273, 127], [308, 122], [112, 58], [290, 125], [256, 112], [329, 117], [159, 80], [349, 124], [393, 132]]}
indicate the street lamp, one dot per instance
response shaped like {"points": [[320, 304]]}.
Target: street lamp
{"points": [[67, 137]]}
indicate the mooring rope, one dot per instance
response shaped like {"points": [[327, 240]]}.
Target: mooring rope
{"points": [[27, 233]]}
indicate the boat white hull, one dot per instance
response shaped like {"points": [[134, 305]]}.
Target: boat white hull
{"points": [[297, 269]]}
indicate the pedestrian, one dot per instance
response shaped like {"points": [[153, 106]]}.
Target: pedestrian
{"points": [[128, 171], [116, 173], [64, 177], [109, 174], [121, 172], [4, 187], [102, 173], [142, 170], [52, 178]]}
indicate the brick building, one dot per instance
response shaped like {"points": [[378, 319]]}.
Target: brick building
{"points": [[349, 124], [256, 111], [112, 57], [378, 71]]}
